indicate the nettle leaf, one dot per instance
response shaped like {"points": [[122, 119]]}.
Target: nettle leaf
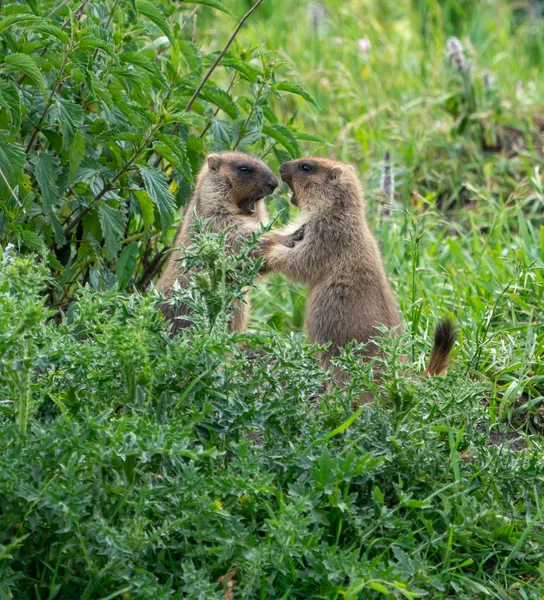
{"points": [[52, 31], [224, 134], [47, 180], [10, 107], [27, 65], [246, 70], [174, 150], [126, 264], [12, 163], [156, 185], [308, 137], [100, 89], [112, 222], [285, 137], [220, 98], [294, 88], [191, 54], [76, 156], [154, 14], [32, 240], [212, 4], [20, 20], [71, 118], [146, 207], [139, 60]]}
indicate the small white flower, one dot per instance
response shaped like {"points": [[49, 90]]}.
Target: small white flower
{"points": [[338, 40], [325, 83], [364, 45]]}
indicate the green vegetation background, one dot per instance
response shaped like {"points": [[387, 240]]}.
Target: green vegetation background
{"points": [[212, 466]]}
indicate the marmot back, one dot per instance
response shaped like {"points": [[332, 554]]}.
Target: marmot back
{"points": [[229, 191]]}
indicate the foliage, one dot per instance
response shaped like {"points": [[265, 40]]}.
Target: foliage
{"points": [[135, 466], [100, 138]]}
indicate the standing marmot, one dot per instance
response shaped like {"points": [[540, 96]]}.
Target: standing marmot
{"points": [[335, 253], [229, 192]]}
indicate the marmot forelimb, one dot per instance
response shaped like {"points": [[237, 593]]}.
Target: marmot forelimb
{"points": [[229, 192]]}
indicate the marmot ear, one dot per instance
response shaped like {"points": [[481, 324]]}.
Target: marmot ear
{"points": [[214, 162], [335, 174]]}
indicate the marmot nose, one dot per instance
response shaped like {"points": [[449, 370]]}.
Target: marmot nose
{"points": [[273, 182]]}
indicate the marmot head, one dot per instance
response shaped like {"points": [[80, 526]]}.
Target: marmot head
{"points": [[320, 178], [240, 179]]}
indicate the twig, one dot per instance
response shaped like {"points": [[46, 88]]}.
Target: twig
{"points": [[212, 69], [218, 59]]}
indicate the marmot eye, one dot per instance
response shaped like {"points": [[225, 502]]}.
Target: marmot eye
{"points": [[244, 169], [305, 167]]}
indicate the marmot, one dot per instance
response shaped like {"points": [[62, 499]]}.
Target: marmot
{"points": [[334, 252], [229, 191]]}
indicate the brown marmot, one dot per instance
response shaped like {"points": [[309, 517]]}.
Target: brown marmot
{"points": [[229, 191], [334, 252]]}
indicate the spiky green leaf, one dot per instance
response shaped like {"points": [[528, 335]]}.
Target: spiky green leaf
{"points": [[112, 222], [285, 137], [156, 185], [27, 65], [12, 162], [154, 14], [71, 118], [295, 88]]}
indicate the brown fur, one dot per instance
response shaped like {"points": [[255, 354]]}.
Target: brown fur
{"points": [[335, 253], [229, 198]]}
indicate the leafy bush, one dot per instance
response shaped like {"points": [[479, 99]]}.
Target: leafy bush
{"points": [[102, 130]]}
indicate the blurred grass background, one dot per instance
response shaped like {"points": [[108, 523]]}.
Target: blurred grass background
{"points": [[465, 233]]}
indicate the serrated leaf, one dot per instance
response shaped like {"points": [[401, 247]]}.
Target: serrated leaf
{"points": [[295, 88], [35, 23], [220, 98], [146, 207], [224, 134], [112, 222], [192, 55], [76, 155], [126, 264], [102, 91], [32, 240], [71, 118], [285, 137], [12, 162], [250, 73], [52, 30], [156, 185], [47, 180], [211, 4], [27, 65], [174, 150], [20, 20], [139, 60], [11, 103], [154, 14], [308, 137]]}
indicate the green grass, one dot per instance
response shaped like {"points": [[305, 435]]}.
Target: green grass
{"points": [[135, 466]]}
